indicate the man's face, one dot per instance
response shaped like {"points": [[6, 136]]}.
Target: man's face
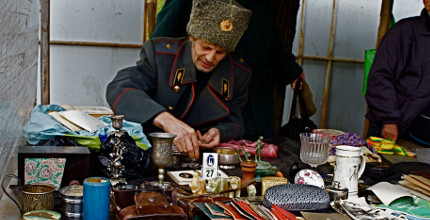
{"points": [[206, 56], [427, 5]]}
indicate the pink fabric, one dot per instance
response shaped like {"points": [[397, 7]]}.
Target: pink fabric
{"points": [[268, 150]]}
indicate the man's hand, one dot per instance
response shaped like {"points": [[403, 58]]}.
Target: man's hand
{"points": [[210, 139], [390, 131], [186, 136], [293, 84]]}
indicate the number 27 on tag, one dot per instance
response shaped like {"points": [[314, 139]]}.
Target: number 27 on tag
{"points": [[210, 165]]}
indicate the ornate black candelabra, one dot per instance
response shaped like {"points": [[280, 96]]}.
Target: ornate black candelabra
{"points": [[115, 167]]}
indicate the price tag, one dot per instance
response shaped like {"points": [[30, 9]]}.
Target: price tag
{"points": [[210, 165]]}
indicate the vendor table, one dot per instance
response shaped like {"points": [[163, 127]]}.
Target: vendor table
{"points": [[409, 146], [287, 155]]}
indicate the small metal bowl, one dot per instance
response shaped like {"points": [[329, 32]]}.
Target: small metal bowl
{"points": [[227, 157]]}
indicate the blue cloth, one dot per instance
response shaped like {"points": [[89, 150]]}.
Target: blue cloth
{"points": [[42, 126]]}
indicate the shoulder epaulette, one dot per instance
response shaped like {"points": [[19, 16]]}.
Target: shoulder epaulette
{"points": [[167, 45], [239, 61]]}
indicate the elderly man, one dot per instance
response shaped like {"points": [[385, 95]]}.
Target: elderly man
{"points": [[397, 94], [193, 87], [260, 46]]}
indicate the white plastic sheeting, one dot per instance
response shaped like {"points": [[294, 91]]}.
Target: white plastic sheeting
{"points": [[80, 74], [18, 75]]}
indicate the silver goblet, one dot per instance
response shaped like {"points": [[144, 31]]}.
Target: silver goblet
{"points": [[161, 152]]}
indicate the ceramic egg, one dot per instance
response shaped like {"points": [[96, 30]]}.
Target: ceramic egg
{"points": [[309, 177]]}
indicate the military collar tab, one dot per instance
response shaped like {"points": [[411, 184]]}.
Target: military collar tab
{"points": [[183, 69], [223, 78]]}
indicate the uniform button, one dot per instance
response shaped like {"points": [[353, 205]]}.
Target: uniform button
{"points": [[241, 60], [170, 108], [176, 89], [168, 46]]}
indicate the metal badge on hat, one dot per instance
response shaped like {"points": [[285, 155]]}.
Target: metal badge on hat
{"points": [[227, 25]]}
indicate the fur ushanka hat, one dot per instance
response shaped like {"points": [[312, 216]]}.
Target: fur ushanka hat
{"points": [[219, 22]]}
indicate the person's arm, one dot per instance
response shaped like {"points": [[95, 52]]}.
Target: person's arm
{"points": [[130, 92], [301, 77], [390, 131], [381, 95], [210, 139]]}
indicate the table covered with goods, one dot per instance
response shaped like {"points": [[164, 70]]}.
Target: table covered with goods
{"points": [[326, 174]]}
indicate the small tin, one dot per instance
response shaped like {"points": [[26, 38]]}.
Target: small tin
{"points": [[336, 193], [269, 181], [72, 199]]}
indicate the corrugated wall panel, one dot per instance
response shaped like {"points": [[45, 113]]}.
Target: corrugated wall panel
{"points": [[18, 75]]}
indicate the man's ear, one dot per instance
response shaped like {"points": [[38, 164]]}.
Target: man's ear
{"points": [[193, 39]]}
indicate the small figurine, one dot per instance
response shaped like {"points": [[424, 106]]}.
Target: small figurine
{"points": [[245, 154], [235, 183], [224, 186], [252, 191], [214, 185], [263, 168], [198, 185], [258, 147]]}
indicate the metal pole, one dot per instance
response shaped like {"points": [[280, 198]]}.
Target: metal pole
{"points": [[332, 58], [329, 64], [95, 44], [44, 52], [302, 32]]}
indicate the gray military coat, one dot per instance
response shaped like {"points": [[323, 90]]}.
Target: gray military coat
{"points": [[163, 80]]}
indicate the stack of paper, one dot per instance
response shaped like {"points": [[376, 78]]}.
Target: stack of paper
{"points": [[95, 111], [416, 183], [387, 192], [77, 120], [401, 199]]}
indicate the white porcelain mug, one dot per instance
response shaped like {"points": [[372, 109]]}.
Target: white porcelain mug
{"points": [[350, 164]]}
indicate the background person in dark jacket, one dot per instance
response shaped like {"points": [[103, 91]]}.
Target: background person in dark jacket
{"points": [[398, 88], [192, 87], [260, 46]]}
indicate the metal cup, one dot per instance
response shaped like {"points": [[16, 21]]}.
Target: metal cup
{"points": [[34, 197], [161, 152]]}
